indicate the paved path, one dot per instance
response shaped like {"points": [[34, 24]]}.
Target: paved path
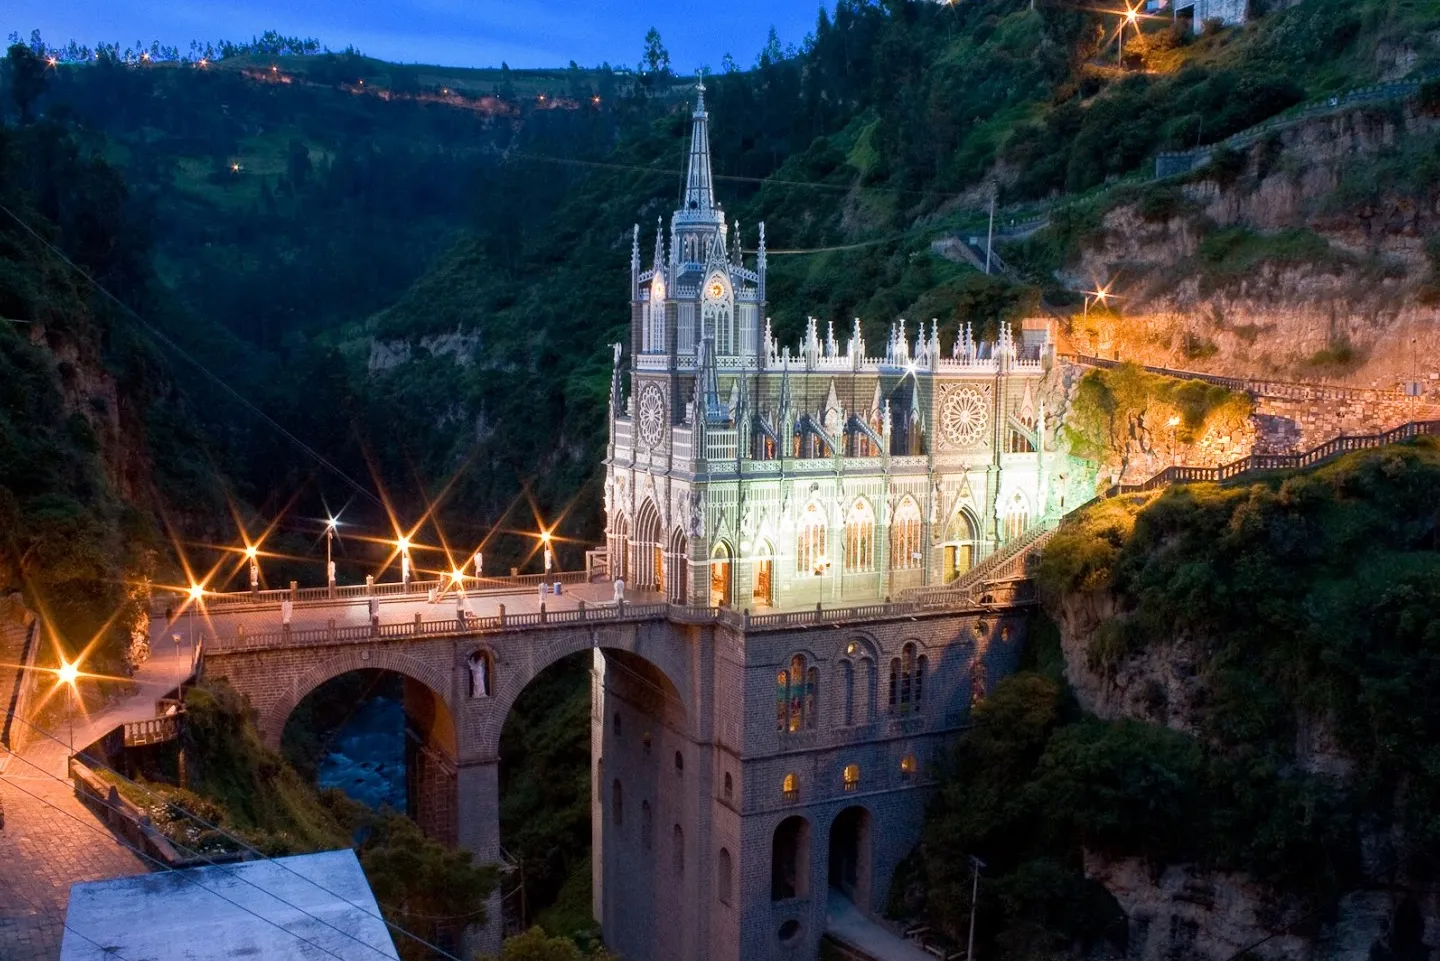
{"points": [[845, 923], [50, 840]]}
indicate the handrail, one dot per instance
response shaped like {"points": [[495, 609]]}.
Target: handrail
{"points": [[320, 596], [1256, 463], [943, 601], [1293, 390]]}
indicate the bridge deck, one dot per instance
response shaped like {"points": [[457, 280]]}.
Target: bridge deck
{"points": [[227, 621]]}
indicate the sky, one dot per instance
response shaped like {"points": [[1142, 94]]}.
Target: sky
{"points": [[466, 33]]}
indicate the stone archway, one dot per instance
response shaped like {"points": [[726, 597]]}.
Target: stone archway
{"points": [[429, 730], [272, 719], [850, 856]]}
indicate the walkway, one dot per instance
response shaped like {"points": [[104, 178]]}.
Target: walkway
{"points": [[50, 840], [845, 923]]}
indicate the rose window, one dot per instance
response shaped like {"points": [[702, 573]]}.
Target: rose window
{"points": [[651, 415], [963, 417]]}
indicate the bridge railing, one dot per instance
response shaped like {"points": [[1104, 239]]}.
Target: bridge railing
{"points": [[1258, 463], [319, 596], [1281, 389], [944, 601]]}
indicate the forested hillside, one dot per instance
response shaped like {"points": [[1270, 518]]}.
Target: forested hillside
{"points": [[418, 270]]}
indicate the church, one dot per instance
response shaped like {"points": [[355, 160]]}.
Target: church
{"points": [[745, 474]]}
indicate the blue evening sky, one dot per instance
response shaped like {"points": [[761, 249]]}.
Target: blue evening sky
{"points": [[470, 33]]}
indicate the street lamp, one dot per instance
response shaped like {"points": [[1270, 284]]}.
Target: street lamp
{"points": [[68, 674], [197, 594], [330, 525], [252, 554], [403, 544], [1132, 19], [1172, 423], [549, 556]]}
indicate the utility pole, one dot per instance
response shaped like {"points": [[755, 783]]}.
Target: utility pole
{"points": [[975, 864], [990, 237]]}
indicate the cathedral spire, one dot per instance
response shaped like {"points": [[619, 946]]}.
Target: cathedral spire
{"points": [[659, 244], [699, 185]]}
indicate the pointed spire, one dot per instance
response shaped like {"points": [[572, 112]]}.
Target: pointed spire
{"points": [[857, 342], [832, 347], [659, 243], [739, 248], [699, 185], [635, 251]]}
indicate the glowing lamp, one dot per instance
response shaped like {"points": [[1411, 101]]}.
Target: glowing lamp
{"points": [[331, 523], [196, 592], [403, 543], [1173, 422], [456, 575], [545, 537], [251, 551], [68, 672]]}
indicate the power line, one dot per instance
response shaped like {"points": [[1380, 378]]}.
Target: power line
{"points": [[105, 949], [136, 850], [165, 341], [241, 842], [736, 178]]}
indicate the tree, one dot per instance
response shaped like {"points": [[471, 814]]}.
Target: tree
{"points": [[25, 74], [655, 64], [536, 945]]}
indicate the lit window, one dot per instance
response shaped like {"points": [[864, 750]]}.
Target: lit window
{"points": [[860, 538], [852, 777], [905, 527], [795, 696], [908, 767], [790, 787], [810, 542]]}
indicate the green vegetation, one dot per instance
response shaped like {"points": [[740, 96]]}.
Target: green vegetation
{"points": [[1304, 601], [1116, 409], [250, 792]]}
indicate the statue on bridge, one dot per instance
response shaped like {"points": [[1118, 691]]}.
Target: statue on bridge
{"points": [[479, 674]]}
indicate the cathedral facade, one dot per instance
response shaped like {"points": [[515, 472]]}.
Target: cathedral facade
{"points": [[747, 474]]}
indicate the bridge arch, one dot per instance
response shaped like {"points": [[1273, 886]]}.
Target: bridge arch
{"points": [[272, 719]]}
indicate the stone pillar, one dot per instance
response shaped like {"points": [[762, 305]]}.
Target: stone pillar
{"points": [[477, 787]]}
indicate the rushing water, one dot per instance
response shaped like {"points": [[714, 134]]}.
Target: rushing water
{"points": [[367, 757]]}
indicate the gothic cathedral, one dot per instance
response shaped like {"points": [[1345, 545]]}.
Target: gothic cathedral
{"points": [[747, 475]]}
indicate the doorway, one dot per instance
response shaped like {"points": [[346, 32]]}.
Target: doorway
{"points": [[720, 576], [850, 855]]}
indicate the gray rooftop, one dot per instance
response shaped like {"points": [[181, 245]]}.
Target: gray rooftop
{"points": [[253, 910]]}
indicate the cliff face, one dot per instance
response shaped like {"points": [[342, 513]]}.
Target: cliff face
{"points": [[1305, 260], [1181, 911]]}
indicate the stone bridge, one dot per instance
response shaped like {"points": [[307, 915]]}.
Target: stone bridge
{"points": [[710, 777]]}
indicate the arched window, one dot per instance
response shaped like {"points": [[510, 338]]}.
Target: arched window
{"points": [[790, 859], [908, 767], [866, 685], [810, 541], [847, 693], [852, 777], [795, 696], [905, 553], [617, 803], [617, 723], [647, 826], [678, 854], [977, 681], [790, 787], [907, 679], [723, 872], [654, 341], [645, 740], [679, 763], [860, 538], [729, 786], [1017, 516]]}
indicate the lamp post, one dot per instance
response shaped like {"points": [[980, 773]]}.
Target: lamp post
{"points": [[68, 674], [549, 556], [197, 594], [252, 554], [975, 865], [1172, 423], [1132, 19], [330, 525], [403, 543]]}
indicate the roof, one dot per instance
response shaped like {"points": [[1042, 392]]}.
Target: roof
{"points": [[253, 910]]}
